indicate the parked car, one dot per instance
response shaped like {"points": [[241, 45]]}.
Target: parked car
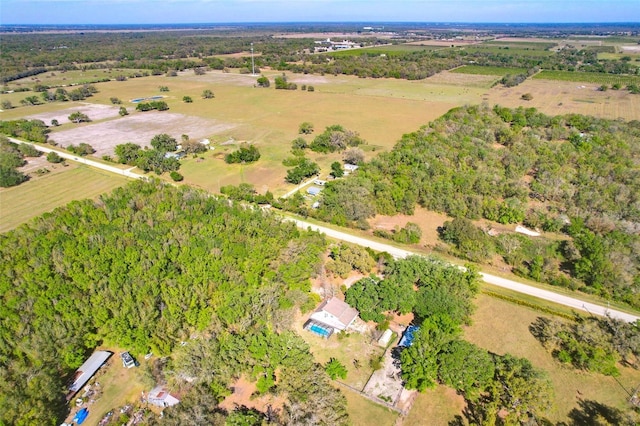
{"points": [[127, 360]]}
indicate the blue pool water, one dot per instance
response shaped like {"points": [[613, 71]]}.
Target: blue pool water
{"points": [[319, 330]]}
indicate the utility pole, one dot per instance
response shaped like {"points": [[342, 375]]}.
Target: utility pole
{"points": [[253, 65]]}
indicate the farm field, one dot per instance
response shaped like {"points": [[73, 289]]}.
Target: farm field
{"points": [[67, 78], [390, 50], [381, 110], [20, 203], [588, 77], [507, 50], [480, 70], [521, 44], [560, 97], [501, 327]]}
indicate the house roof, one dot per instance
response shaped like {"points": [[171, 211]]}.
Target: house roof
{"points": [[161, 397], [341, 311], [314, 190], [88, 369]]}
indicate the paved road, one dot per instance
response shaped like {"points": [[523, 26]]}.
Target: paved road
{"points": [[82, 160], [491, 279], [394, 251]]}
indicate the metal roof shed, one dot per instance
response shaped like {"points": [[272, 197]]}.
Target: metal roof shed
{"points": [[314, 190], [87, 370]]}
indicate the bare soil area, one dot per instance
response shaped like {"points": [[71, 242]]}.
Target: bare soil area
{"points": [[139, 128], [243, 390], [95, 112], [428, 221]]}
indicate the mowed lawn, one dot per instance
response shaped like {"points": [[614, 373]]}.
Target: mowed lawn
{"points": [[20, 203], [502, 327]]}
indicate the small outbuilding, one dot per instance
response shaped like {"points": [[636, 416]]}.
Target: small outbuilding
{"points": [[314, 190], [160, 397], [87, 370], [351, 167]]}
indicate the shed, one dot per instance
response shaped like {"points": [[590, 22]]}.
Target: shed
{"points": [[385, 338], [351, 167], [87, 370], [160, 397], [314, 190]]}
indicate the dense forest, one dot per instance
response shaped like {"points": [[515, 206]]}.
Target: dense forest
{"points": [[145, 268], [572, 174]]}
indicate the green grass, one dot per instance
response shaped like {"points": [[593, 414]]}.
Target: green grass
{"points": [[435, 407], [482, 70], [508, 50], [20, 203], [346, 350], [528, 45], [392, 50], [60, 78], [502, 327], [588, 77], [363, 412]]}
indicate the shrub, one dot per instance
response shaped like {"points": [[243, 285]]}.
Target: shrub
{"points": [[177, 177]]}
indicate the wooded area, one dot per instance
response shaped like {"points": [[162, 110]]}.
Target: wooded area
{"points": [[145, 268], [572, 174]]}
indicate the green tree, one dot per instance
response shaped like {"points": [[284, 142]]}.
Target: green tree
{"points": [[187, 99], [305, 128], [263, 81], [335, 369], [247, 153], [208, 94], [123, 111], [127, 153], [164, 143], [53, 157], [466, 368], [78, 117], [336, 169]]}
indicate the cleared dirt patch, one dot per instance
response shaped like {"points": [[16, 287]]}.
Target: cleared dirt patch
{"points": [[94, 111], [243, 390], [428, 221], [139, 128]]}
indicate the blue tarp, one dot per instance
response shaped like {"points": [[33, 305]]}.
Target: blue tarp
{"points": [[81, 416], [407, 336]]}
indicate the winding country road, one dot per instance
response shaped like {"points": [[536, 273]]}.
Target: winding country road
{"points": [[394, 251]]}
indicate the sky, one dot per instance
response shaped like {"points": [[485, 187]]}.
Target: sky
{"points": [[230, 11]]}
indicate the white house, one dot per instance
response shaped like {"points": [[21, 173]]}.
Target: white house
{"points": [[335, 313], [351, 167], [159, 396]]}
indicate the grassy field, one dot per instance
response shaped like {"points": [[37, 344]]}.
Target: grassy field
{"points": [[588, 77], [20, 203], [555, 97], [508, 50], [435, 407], [503, 327], [480, 70], [68, 78], [390, 50], [363, 412], [524, 44]]}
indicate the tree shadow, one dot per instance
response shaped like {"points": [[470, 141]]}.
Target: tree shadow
{"points": [[596, 413]]}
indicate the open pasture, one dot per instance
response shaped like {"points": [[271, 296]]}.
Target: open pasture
{"points": [[588, 77], [20, 203], [389, 50], [502, 327], [482, 70], [70, 78], [138, 128], [560, 97], [521, 44], [507, 50]]}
